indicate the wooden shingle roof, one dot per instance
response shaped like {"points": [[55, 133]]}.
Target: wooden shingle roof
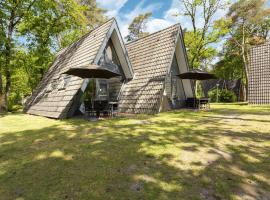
{"points": [[56, 102], [151, 58]]}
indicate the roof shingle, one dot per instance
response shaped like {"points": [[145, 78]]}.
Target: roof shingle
{"points": [[56, 103], [150, 57]]}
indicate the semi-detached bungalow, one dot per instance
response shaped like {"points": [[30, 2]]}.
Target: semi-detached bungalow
{"points": [[147, 83]]}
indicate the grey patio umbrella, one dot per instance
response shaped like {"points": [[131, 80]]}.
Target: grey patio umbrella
{"points": [[93, 71], [197, 74]]}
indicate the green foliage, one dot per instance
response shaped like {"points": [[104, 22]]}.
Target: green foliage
{"points": [[199, 92], [31, 32], [89, 91], [248, 23], [226, 96], [198, 59], [137, 27], [212, 94], [230, 67], [14, 101], [200, 38]]}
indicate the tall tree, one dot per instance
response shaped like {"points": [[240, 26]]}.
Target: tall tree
{"points": [[138, 26], [12, 14], [204, 31], [248, 25], [36, 24], [92, 16]]}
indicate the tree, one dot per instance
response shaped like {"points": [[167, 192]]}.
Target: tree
{"points": [[204, 33], [12, 14], [38, 23], [92, 17], [138, 26], [248, 24]]}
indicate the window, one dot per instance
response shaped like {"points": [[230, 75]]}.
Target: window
{"points": [[51, 86], [102, 92], [63, 82]]}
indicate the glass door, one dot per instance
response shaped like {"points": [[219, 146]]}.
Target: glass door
{"points": [[102, 90]]}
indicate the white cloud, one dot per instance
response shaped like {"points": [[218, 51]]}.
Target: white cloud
{"points": [[112, 6], [185, 21], [154, 24], [124, 19]]}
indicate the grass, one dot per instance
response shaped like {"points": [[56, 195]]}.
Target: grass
{"points": [[220, 154]]}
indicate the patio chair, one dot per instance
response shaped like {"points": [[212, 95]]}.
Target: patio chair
{"points": [[192, 102], [102, 107], [204, 103], [89, 111]]}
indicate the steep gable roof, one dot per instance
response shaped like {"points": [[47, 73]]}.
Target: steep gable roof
{"points": [[151, 58], [56, 102]]}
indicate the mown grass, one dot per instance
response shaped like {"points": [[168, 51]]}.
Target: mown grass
{"points": [[220, 154]]}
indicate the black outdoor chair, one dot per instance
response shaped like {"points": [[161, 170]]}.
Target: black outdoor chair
{"points": [[204, 103], [89, 111], [201, 103], [101, 107], [192, 102]]}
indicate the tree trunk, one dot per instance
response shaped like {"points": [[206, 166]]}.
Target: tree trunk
{"points": [[7, 89], [243, 48], [1, 84], [1, 94], [7, 63]]}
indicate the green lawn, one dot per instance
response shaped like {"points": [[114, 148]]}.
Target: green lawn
{"points": [[220, 154]]}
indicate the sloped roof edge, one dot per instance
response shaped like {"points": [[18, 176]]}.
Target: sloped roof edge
{"points": [[115, 35], [151, 34]]}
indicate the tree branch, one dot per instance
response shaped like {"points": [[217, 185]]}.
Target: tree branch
{"points": [[23, 13]]}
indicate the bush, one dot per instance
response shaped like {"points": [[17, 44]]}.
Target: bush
{"points": [[14, 101], [227, 96], [223, 96], [212, 94]]}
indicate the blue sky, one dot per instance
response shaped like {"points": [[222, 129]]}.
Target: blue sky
{"points": [[162, 10], [162, 13]]}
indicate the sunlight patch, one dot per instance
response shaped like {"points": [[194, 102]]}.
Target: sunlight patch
{"points": [[51, 136], [169, 187], [250, 158], [237, 171], [41, 156], [7, 142], [262, 177], [60, 154], [71, 135]]}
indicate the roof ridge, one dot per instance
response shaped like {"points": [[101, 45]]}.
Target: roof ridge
{"points": [[177, 24]]}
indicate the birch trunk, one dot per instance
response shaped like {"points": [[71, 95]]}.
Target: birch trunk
{"points": [[244, 56]]}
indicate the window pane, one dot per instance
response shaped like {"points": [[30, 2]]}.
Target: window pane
{"points": [[103, 87]]}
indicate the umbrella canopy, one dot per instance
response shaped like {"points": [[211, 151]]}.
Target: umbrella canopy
{"points": [[93, 71], [197, 74]]}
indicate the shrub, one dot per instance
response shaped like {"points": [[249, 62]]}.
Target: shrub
{"points": [[227, 96], [14, 100], [212, 94], [223, 96]]}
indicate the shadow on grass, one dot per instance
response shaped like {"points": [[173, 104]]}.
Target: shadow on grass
{"points": [[145, 158]]}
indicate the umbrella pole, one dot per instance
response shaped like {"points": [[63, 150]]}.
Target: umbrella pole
{"points": [[196, 88], [93, 88]]}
